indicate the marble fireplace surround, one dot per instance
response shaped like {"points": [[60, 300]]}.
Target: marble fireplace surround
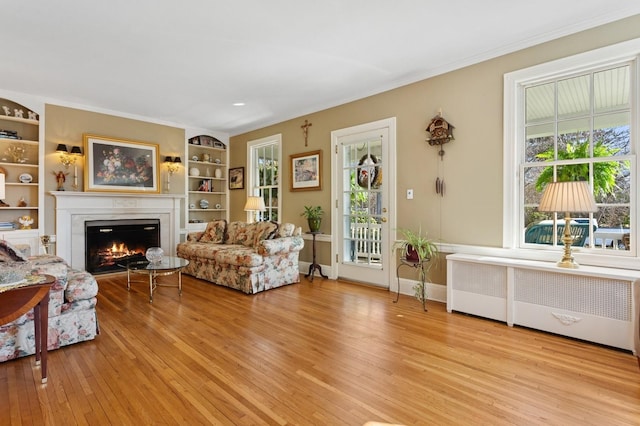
{"points": [[73, 209]]}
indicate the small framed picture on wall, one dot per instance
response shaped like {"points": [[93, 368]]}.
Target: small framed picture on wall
{"points": [[236, 178]]}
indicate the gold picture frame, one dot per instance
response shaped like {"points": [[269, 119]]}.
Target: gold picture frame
{"points": [[120, 165]]}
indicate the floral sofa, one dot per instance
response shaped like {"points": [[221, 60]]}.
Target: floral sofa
{"points": [[250, 257], [72, 306]]}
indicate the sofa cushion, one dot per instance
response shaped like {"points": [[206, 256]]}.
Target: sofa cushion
{"points": [[9, 253], [193, 250], [45, 259], [239, 256], [215, 232]]}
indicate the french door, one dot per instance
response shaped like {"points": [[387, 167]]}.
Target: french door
{"points": [[364, 178]]}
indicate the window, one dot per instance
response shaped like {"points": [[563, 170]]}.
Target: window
{"points": [[573, 119], [263, 179]]}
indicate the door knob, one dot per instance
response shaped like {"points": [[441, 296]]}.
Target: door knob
{"points": [[383, 219]]}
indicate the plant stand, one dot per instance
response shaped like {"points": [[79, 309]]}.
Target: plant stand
{"points": [[314, 265], [423, 273]]}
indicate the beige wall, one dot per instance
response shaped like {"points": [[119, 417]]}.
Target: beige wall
{"points": [[67, 125], [471, 99]]}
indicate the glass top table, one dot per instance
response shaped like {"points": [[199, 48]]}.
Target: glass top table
{"points": [[168, 265]]}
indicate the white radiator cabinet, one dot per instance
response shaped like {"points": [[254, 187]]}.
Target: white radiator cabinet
{"points": [[589, 303]]}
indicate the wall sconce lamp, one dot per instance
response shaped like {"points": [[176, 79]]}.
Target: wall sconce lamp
{"points": [[68, 158], [173, 164], [567, 197], [254, 204]]}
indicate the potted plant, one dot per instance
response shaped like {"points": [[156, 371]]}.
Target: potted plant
{"points": [[417, 248], [314, 217]]}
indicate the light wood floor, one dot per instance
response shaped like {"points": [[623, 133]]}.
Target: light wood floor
{"points": [[326, 353]]}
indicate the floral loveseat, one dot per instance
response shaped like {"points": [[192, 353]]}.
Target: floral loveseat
{"points": [[250, 257], [72, 306]]}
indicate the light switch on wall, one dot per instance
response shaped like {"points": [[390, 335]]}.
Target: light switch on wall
{"points": [[409, 194]]}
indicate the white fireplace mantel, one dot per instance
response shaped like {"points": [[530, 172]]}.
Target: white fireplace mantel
{"points": [[73, 209]]}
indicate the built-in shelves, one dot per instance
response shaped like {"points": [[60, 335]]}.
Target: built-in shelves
{"points": [[206, 181], [17, 119], [20, 156]]}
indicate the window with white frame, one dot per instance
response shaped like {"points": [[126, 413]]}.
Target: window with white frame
{"points": [[264, 159], [574, 119]]}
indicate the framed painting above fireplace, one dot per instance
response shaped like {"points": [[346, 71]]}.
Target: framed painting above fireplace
{"points": [[120, 165]]}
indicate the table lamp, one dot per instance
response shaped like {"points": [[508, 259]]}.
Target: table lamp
{"points": [[567, 197], [254, 204]]}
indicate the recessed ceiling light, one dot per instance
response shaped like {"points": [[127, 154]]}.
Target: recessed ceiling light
{"points": [[239, 104]]}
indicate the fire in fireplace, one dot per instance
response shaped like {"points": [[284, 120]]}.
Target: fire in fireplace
{"points": [[110, 243]]}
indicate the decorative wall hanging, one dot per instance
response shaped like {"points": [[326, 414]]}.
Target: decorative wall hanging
{"points": [[236, 178], [305, 131], [440, 187], [440, 132], [369, 172], [306, 171], [120, 165]]}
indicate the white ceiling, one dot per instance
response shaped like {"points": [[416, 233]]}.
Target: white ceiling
{"points": [[187, 62]]}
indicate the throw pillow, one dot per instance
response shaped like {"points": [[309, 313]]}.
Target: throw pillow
{"points": [[286, 230], [264, 231], [8, 253], [236, 233], [215, 232]]}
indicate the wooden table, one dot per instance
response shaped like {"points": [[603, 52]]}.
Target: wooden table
{"points": [[17, 301]]}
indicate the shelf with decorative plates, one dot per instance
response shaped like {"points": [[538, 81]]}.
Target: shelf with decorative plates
{"points": [[20, 158], [207, 194]]}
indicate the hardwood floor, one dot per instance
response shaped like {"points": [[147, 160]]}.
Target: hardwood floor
{"points": [[326, 353]]}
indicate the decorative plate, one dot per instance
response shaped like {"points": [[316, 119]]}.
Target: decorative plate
{"points": [[25, 178], [204, 204]]}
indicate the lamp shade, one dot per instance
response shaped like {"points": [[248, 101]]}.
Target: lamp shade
{"points": [[177, 160], [2, 187], [254, 204], [567, 197], [168, 159], [75, 150], [61, 148]]}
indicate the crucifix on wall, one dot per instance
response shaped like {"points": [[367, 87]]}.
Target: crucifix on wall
{"points": [[305, 131]]}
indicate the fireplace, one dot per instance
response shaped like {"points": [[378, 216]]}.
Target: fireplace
{"points": [[74, 208], [109, 243]]}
